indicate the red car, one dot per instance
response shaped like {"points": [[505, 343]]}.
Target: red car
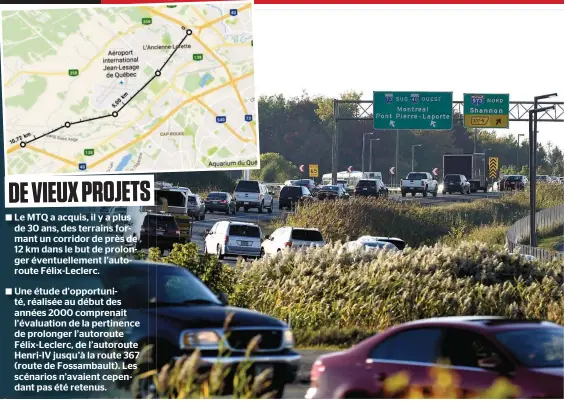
{"points": [[480, 349]]}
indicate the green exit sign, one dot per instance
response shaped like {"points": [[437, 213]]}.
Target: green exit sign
{"points": [[146, 21], [413, 110], [486, 110], [89, 152], [198, 57], [73, 73]]}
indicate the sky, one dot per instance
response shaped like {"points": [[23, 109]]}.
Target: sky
{"points": [[328, 52]]}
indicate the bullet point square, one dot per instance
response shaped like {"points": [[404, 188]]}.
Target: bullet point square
{"points": [[8, 217], [8, 291]]}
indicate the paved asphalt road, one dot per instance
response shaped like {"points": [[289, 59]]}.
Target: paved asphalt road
{"points": [[254, 217]]}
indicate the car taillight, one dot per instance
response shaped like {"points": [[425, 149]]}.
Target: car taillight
{"points": [[227, 239], [288, 244], [177, 232], [317, 369], [422, 183], [223, 201]]}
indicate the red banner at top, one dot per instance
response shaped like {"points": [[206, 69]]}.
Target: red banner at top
{"points": [[344, 2]]}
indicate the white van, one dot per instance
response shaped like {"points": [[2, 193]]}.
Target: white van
{"points": [[233, 238]]}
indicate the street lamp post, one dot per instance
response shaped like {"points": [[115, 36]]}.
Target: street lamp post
{"points": [[533, 147], [371, 153], [518, 155], [413, 147], [363, 152]]}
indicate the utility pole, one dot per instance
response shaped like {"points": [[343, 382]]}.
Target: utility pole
{"points": [[532, 120], [363, 152], [518, 169], [334, 143], [413, 147], [396, 160], [371, 153], [475, 132]]}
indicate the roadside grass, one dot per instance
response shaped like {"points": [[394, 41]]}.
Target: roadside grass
{"points": [[415, 223], [549, 239], [494, 234], [354, 295]]}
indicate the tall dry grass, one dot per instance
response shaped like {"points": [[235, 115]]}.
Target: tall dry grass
{"points": [[415, 223], [353, 295]]}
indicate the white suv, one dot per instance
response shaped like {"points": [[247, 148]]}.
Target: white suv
{"points": [[253, 194], [290, 237], [233, 238]]}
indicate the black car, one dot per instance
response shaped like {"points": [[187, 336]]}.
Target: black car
{"points": [[178, 314], [514, 183], [158, 230], [220, 202], [292, 195], [370, 188], [329, 192], [456, 183]]}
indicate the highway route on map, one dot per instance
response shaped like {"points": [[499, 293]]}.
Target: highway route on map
{"points": [[114, 114]]}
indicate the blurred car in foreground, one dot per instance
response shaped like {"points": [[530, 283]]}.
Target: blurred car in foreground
{"points": [[369, 244], [177, 314], [480, 350]]}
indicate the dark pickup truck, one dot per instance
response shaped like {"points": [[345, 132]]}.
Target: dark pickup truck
{"points": [[177, 314]]}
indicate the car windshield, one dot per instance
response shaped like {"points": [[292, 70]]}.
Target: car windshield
{"points": [[333, 188], [366, 183], [247, 186], [244, 231], [157, 285], [217, 196], [417, 176], [454, 178], [541, 177], [307, 235], [536, 348], [191, 199]]}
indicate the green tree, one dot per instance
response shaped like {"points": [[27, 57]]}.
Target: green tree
{"points": [[274, 168]]}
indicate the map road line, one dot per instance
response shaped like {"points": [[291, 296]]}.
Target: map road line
{"points": [[205, 93], [167, 117]]}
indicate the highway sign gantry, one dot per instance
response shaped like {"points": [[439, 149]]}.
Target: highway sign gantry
{"points": [[313, 169], [486, 110], [413, 110], [492, 167]]}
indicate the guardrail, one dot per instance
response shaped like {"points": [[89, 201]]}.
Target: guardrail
{"points": [[546, 219]]}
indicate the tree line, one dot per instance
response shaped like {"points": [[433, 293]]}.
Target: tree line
{"points": [[298, 131]]}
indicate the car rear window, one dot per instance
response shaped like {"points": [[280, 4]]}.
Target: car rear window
{"points": [[152, 221], [452, 177], [514, 178], [367, 183], [217, 195], [244, 231], [290, 191], [191, 199], [417, 176], [306, 235], [247, 186]]}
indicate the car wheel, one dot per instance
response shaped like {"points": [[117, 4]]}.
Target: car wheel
{"points": [[413, 194], [462, 191], [246, 209], [404, 194], [260, 208], [203, 216], [425, 193], [262, 253], [434, 194], [147, 360], [219, 252], [443, 192], [270, 209], [228, 210]]}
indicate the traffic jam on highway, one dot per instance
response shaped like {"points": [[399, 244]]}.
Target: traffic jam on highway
{"points": [[480, 348]]}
